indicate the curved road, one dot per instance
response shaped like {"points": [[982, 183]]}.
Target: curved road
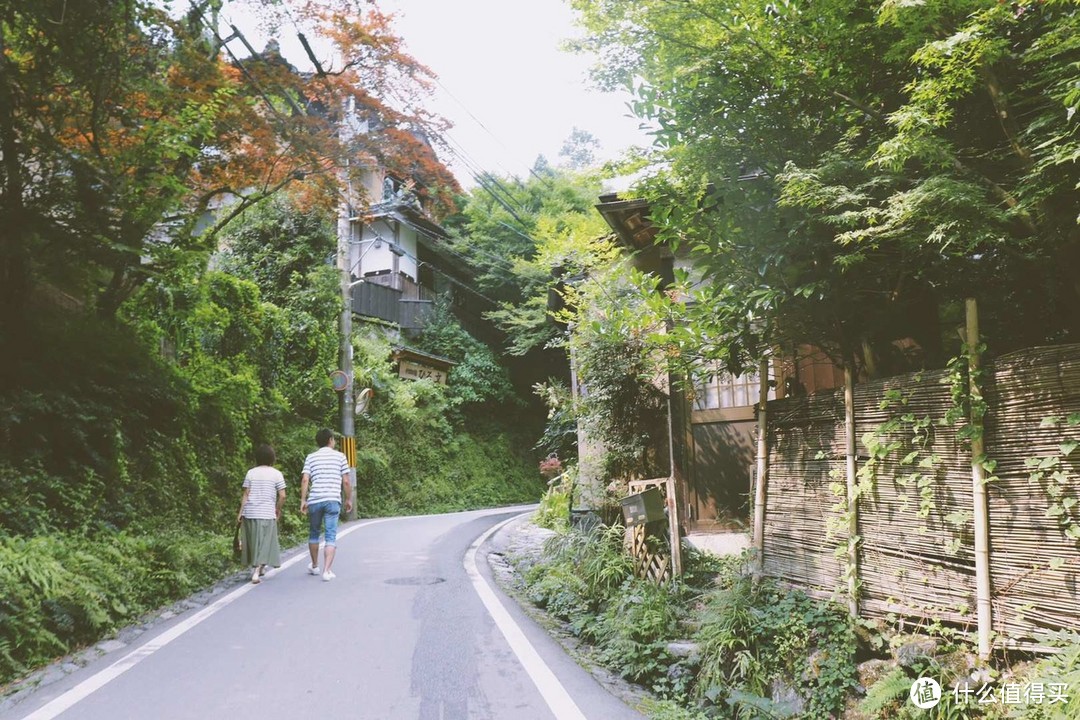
{"points": [[412, 627]]}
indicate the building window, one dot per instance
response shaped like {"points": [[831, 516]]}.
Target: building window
{"points": [[714, 388]]}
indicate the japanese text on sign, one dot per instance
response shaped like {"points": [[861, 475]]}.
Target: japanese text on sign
{"points": [[415, 371]]}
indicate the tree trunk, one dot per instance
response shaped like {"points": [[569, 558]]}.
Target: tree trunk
{"points": [[14, 248]]}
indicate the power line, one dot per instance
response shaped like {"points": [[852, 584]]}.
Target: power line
{"points": [[485, 179], [445, 274], [224, 43], [487, 130]]}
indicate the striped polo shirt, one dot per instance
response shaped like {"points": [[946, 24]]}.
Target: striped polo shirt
{"points": [[263, 483], [325, 468]]}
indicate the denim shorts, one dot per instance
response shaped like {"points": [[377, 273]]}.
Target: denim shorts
{"points": [[327, 510]]}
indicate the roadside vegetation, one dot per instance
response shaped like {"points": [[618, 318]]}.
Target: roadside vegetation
{"points": [[716, 644]]}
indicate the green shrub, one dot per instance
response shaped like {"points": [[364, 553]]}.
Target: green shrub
{"points": [[749, 635], [61, 592], [752, 636], [554, 510], [633, 630]]}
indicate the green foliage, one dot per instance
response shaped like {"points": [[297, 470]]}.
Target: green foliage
{"points": [[623, 407], [561, 430], [1062, 668], [63, 591], [282, 249], [94, 426], [670, 710], [632, 631], [417, 454], [277, 246], [749, 635], [752, 636], [128, 437], [580, 572], [526, 238], [933, 157], [478, 381], [887, 693], [554, 510], [888, 697]]}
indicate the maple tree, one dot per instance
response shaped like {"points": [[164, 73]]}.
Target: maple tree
{"points": [[131, 137]]}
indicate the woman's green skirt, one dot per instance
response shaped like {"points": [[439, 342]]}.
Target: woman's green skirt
{"points": [[261, 543]]}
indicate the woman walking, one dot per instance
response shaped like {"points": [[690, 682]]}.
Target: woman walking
{"points": [[259, 513]]}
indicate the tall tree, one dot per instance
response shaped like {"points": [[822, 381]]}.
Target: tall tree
{"points": [[843, 167], [521, 235], [579, 149]]}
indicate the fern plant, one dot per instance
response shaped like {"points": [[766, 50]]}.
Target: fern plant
{"points": [[884, 694]]}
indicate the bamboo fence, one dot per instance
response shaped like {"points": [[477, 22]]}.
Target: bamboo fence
{"points": [[920, 568]]}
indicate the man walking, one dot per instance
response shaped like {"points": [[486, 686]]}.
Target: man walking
{"points": [[325, 477]]}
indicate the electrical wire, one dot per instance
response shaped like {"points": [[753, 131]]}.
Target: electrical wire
{"points": [[420, 262], [484, 179]]}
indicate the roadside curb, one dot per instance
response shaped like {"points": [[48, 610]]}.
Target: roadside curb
{"points": [[513, 550]]}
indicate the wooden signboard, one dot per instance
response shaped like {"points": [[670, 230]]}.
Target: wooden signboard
{"points": [[409, 370]]}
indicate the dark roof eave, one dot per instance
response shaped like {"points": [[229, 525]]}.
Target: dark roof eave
{"points": [[411, 217], [400, 351]]}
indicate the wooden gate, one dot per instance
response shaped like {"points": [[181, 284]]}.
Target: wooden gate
{"points": [[650, 562]]}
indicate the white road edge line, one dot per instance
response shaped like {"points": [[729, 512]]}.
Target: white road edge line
{"points": [[553, 692], [100, 679]]}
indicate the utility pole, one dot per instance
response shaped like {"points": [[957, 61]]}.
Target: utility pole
{"points": [[345, 399]]}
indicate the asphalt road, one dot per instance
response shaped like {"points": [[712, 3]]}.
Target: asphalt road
{"points": [[412, 627]]}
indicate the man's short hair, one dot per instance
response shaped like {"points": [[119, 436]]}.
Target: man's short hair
{"points": [[322, 438], [264, 455]]}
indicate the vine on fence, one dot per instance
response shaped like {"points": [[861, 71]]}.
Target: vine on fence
{"points": [[1048, 472]]}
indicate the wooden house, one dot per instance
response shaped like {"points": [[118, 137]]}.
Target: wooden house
{"points": [[714, 430], [399, 263]]}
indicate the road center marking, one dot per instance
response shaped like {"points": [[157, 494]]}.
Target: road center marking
{"points": [[553, 692]]}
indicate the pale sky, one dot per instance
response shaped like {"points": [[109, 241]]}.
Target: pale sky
{"points": [[511, 93]]}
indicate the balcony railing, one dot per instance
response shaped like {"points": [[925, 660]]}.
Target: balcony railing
{"points": [[390, 304]]}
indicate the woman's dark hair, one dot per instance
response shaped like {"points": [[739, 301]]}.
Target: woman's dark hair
{"points": [[264, 455]]}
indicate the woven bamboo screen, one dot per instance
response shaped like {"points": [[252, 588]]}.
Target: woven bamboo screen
{"points": [[922, 567]]}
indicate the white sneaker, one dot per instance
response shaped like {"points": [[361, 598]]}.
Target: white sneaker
{"points": [[312, 569], [328, 576]]}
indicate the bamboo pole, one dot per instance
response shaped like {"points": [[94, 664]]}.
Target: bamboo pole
{"points": [[673, 489], [978, 485], [852, 499], [762, 469]]}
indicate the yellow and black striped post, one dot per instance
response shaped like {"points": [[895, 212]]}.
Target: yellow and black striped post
{"points": [[348, 446]]}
